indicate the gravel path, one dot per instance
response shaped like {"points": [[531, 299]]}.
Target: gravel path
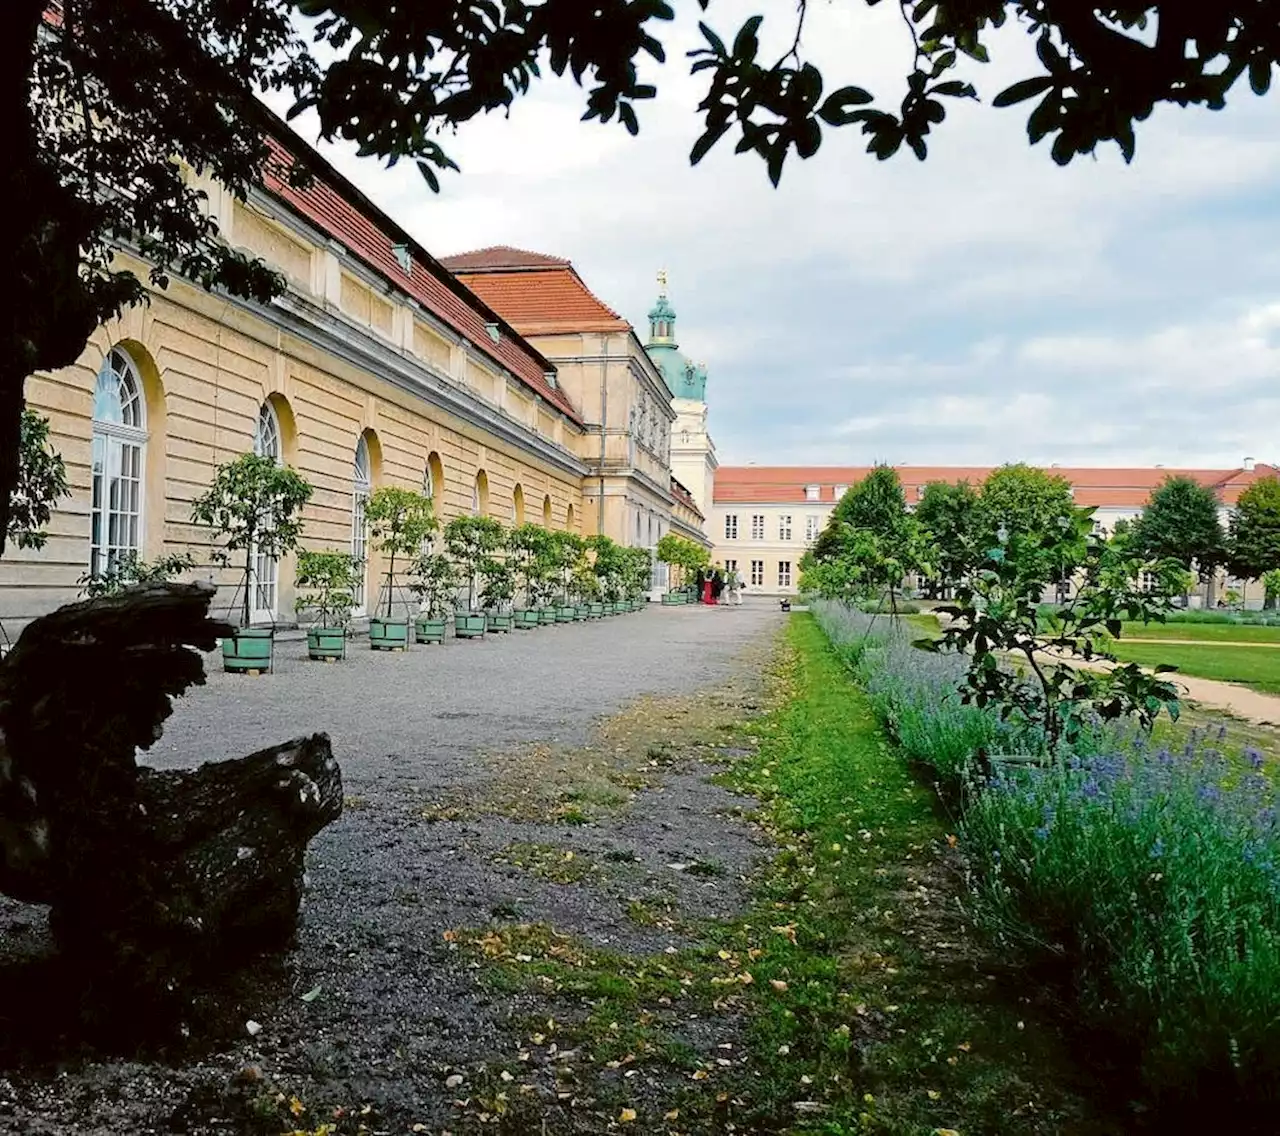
{"points": [[389, 1007]]}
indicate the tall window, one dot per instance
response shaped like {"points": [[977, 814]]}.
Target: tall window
{"points": [[119, 450], [757, 526], [731, 526], [361, 487], [810, 528], [784, 573], [757, 573], [266, 570], [784, 527], [812, 492], [730, 566]]}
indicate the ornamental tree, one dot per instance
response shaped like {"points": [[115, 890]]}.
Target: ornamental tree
{"points": [[471, 543], [327, 582], [1253, 534], [528, 547], [680, 552], [948, 516], [1180, 522], [400, 520], [1027, 668], [253, 506], [103, 95]]}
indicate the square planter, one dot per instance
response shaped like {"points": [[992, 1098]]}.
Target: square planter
{"points": [[546, 615], [429, 630], [619, 607], [582, 612], [500, 621], [469, 624], [672, 599], [388, 634], [248, 650], [597, 611], [566, 614], [525, 619], [326, 643]]}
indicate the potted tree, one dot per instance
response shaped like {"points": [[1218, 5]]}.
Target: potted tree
{"points": [[471, 541], [434, 581], [399, 520], [526, 552], [586, 588], [252, 506], [330, 578], [639, 569], [565, 552], [497, 590]]}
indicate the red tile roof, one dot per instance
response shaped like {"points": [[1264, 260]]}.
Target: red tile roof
{"points": [[1118, 488], [538, 294], [497, 257], [681, 494], [335, 206]]}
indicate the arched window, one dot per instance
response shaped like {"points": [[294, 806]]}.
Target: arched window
{"points": [[266, 569], [119, 452], [517, 505], [480, 495], [361, 488], [639, 527], [546, 511], [569, 518]]}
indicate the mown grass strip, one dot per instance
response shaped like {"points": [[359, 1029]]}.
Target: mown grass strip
{"points": [[849, 999], [1256, 667]]}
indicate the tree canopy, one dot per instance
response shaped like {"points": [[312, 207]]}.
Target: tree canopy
{"points": [[1253, 539], [113, 103], [1180, 522]]}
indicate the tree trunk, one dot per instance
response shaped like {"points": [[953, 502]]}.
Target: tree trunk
{"points": [[151, 876]]}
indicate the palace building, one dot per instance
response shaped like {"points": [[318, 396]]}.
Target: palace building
{"points": [[515, 394], [764, 518]]}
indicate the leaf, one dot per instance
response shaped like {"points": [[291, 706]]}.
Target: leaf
{"points": [[429, 176], [1023, 90], [837, 107], [627, 1115], [312, 994]]}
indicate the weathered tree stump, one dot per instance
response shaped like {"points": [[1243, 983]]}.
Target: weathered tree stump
{"points": [[149, 874]]}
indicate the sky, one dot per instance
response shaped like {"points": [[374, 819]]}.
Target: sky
{"points": [[981, 307]]}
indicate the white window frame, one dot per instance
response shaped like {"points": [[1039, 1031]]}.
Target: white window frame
{"points": [[114, 445], [730, 566], [264, 587], [784, 527], [813, 492], [757, 526], [361, 490], [812, 526], [731, 526], [757, 573], [784, 573]]}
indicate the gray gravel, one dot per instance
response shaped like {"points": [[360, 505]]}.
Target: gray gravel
{"points": [[396, 1007]]}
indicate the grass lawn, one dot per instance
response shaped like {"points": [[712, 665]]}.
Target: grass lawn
{"points": [[1256, 667], [1203, 632]]}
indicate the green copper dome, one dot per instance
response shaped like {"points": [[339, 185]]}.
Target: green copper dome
{"points": [[684, 379]]}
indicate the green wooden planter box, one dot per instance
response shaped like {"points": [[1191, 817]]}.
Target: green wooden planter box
{"points": [[582, 612], [248, 650], [525, 619], [429, 630], [597, 611], [566, 614], [388, 634], [500, 621], [672, 599], [546, 615], [469, 624], [640, 604], [619, 607], [327, 643]]}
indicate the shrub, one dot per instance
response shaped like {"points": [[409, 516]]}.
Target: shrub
{"points": [[1155, 875]]}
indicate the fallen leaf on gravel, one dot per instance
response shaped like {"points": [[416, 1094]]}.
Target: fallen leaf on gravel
{"points": [[627, 1115], [296, 1106], [453, 1081], [253, 1028], [312, 994], [674, 1114]]}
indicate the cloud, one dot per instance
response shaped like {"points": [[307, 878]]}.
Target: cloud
{"points": [[982, 306]]}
